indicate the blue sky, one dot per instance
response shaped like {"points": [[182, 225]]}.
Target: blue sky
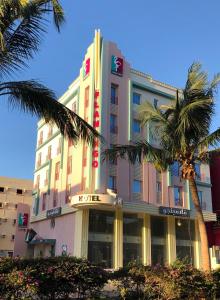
{"points": [[161, 38]]}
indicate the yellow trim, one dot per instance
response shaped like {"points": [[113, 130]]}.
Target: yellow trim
{"points": [[171, 239], [146, 241], [118, 239], [81, 233], [197, 252]]}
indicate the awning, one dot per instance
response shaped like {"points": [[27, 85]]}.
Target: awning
{"points": [[43, 241]]}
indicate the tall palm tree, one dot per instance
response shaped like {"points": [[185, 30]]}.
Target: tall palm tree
{"points": [[22, 26], [184, 130]]}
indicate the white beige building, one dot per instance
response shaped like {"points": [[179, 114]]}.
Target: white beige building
{"points": [[15, 200]]}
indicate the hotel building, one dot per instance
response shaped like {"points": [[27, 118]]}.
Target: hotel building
{"points": [[15, 203], [112, 212]]}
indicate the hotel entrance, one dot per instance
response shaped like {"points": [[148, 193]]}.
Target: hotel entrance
{"points": [[116, 238], [100, 240]]}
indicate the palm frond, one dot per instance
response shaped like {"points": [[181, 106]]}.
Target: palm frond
{"points": [[137, 152], [212, 140], [148, 112], [33, 97], [195, 116], [21, 30], [197, 79]]}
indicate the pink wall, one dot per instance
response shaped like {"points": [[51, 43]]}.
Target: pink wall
{"points": [[20, 246], [215, 181], [63, 232]]}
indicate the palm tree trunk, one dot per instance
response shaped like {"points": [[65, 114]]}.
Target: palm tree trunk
{"points": [[206, 264]]}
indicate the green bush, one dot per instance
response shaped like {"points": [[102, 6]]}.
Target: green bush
{"points": [[178, 281], [49, 278]]}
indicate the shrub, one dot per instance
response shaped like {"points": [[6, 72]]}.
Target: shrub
{"points": [[178, 281], [49, 278]]}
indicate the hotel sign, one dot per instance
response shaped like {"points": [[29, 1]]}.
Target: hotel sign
{"points": [[22, 220], [90, 199], [179, 212], [117, 65], [86, 68], [96, 125], [55, 212]]}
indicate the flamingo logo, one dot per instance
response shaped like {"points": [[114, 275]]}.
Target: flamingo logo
{"points": [[117, 65]]}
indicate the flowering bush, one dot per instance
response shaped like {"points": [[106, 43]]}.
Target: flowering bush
{"points": [[49, 278], [178, 281]]}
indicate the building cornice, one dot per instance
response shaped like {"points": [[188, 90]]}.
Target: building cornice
{"points": [[149, 77], [147, 88]]}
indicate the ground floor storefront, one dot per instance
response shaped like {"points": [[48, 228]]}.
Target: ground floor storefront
{"points": [[112, 238]]}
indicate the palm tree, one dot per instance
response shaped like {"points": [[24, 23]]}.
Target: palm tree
{"points": [[22, 25], [184, 130]]}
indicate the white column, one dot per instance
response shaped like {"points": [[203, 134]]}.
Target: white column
{"points": [[118, 239], [171, 239], [81, 233], [146, 241]]}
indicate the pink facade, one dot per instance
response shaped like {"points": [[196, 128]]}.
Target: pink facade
{"points": [[75, 190], [20, 246]]}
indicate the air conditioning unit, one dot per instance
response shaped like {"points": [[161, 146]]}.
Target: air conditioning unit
{"points": [[6, 203], [5, 220], [3, 235]]}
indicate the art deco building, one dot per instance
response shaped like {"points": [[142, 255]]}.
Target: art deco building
{"points": [[112, 212]]}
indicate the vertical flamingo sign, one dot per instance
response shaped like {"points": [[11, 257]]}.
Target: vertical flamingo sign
{"points": [[117, 65]]}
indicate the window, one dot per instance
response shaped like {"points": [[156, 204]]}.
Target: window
{"points": [[158, 186], [46, 178], [132, 231], [112, 161], [19, 192], [70, 143], [86, 96], [37, 184], [57, 170], [14, 221], [1, 205], [155, 103], [178, 196], [114, 92], [113, 124], [198, 171], [100, 245], [40, 141], [68, 193], [136, 126], [137, 186], [136, 98], [202, 203], [59, 146], [158, 240], [112, 182], [159, 189], [44, 201], [55, 198], [69, 165], [50, 131], [74, 106], [175, 169], [2, 189], [185, 237], [84, 162], [83, 184], [39, 160], [12, 237], [49, 152]]}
